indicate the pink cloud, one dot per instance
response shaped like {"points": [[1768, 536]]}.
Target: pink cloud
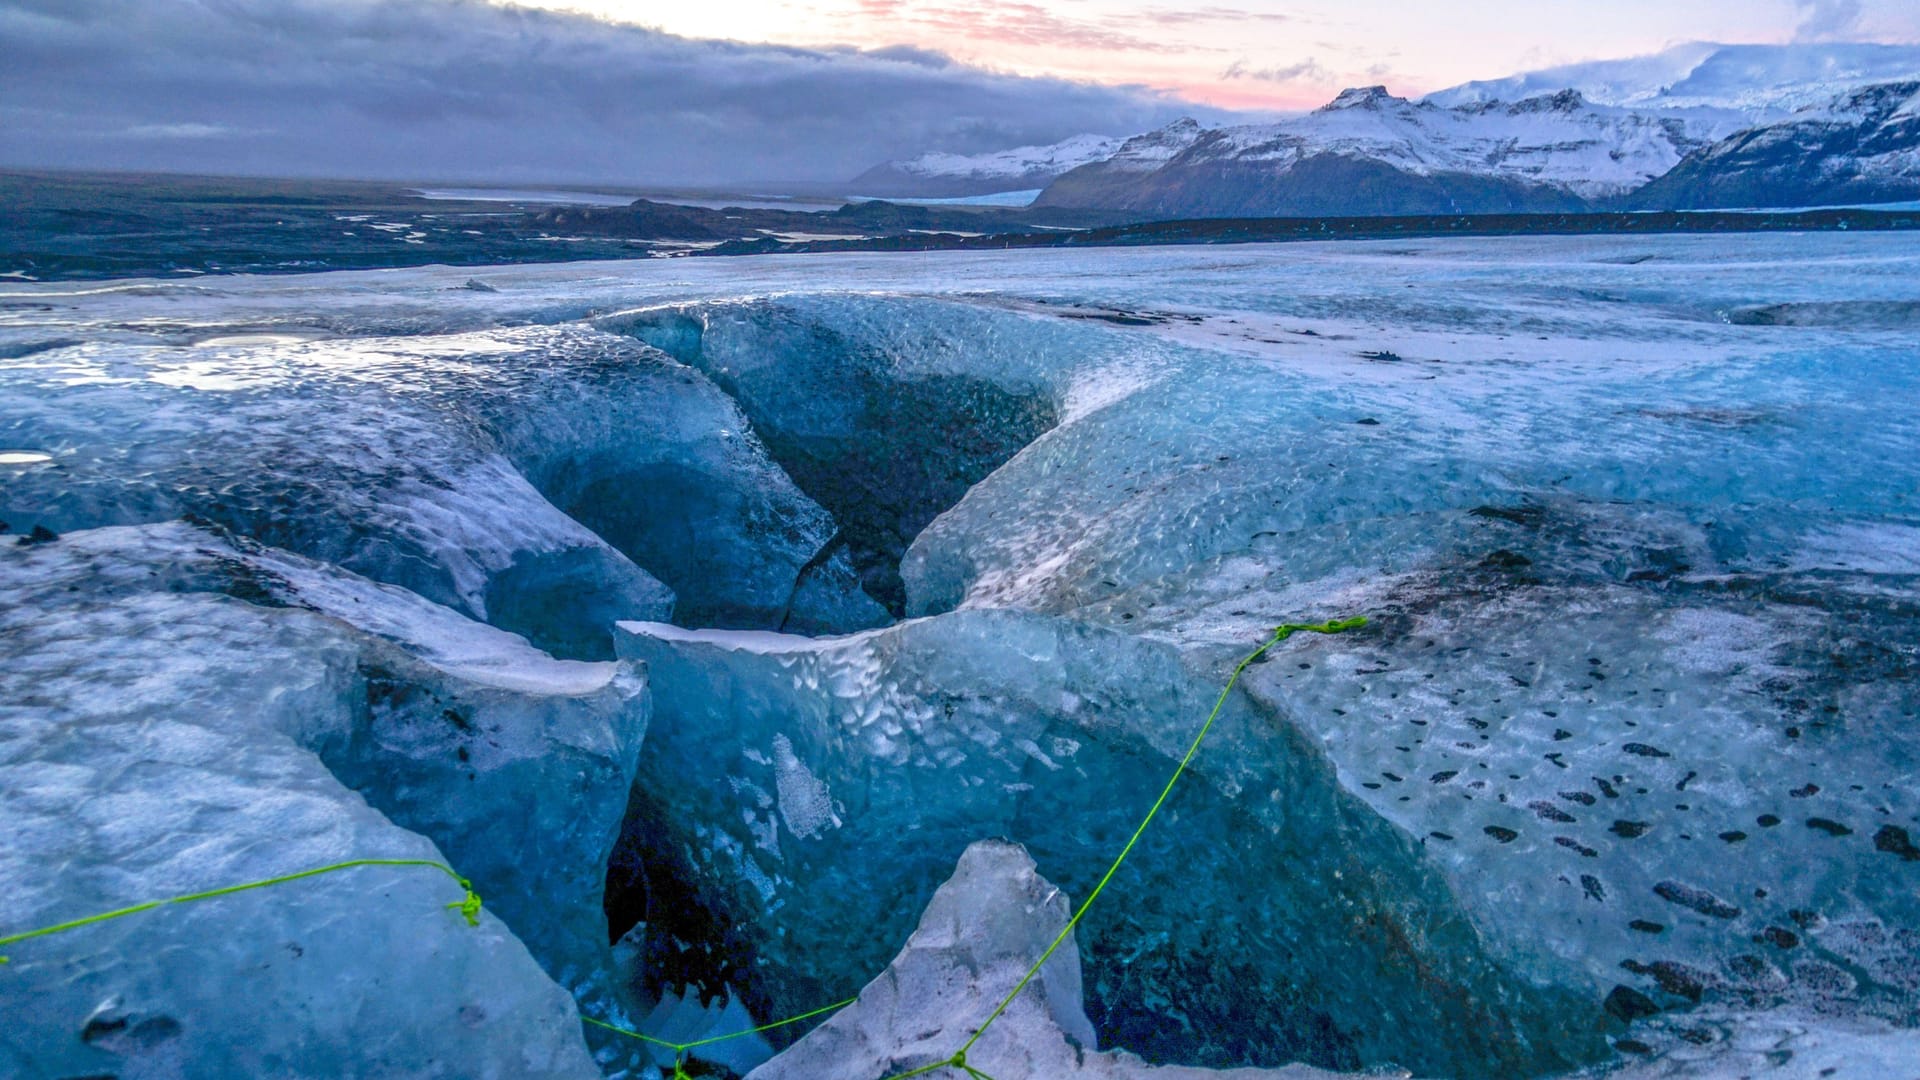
{"points": [[1210, 14], [1019, 24]]}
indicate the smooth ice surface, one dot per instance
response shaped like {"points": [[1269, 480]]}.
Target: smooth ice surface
{"points": [[1625, 759]]}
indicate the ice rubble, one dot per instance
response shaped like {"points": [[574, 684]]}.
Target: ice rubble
{"points": [[186, 711], [994, 918], [1777, 1045], [982, 931]]}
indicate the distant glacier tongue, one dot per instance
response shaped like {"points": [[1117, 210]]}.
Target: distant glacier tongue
{"points": [[708, 613]]}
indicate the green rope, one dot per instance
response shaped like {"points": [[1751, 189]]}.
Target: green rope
{"points": [[1280, 634], [682, 1048], [959, 1058], [957, 1061], [468, 905]]}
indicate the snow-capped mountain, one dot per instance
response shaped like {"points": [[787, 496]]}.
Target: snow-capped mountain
{"points": [[1371, 152], [941, 175], [1144, 153], [1763, 81], [1861, 147], [1756, 125], [1109, 182]]}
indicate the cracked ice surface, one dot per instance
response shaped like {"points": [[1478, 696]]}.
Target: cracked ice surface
{"points": [[1627, 755]]}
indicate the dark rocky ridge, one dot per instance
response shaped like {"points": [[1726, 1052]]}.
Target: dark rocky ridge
{"points": [[1268, 230], [1815, 161], [1324, 185], [649, 220]]}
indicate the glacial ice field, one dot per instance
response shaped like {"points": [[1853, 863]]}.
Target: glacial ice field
{"points": [[761, 633]]}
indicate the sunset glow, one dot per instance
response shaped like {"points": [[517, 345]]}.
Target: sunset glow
{"points": [[1263, 54]]}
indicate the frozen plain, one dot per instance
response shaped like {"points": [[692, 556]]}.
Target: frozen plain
{"points": [[753, 592]]}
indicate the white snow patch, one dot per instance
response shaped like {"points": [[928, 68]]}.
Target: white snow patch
{"points": [[1708, 642], [1759, 80], [762, 642], [1054, 158]]}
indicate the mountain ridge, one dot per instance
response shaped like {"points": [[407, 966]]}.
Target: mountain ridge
{"points": [[1369, 151], [1863, 147], [1762, 80], [1700, 125]]}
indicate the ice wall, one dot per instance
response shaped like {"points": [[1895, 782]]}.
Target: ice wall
{"points": [[885, 413], [853, 770], [429, 462]]}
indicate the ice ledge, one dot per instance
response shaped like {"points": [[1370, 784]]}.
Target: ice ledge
{"points": [[758, 642]]}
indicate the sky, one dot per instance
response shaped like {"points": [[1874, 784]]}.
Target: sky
{"points": [[1272, 54], [753, 94]]}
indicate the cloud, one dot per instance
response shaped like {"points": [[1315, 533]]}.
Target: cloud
{"points": [[1825, 20], [180, 131], [463, 89], [1308, 70], [911, 54], [1021, 23], [1210, 14], [1025, 24]]}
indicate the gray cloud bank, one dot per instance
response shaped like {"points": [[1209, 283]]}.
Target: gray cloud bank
{"points": [[1826, 20], [461, 89]]}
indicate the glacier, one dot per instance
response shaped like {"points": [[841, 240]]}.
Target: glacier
{"points": [[758, 634], [941, 175], [1764, 81]]}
